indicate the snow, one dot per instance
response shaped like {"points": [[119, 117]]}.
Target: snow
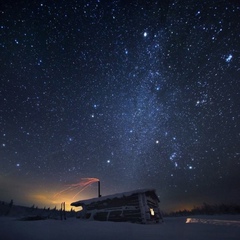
{"points": [[117, 195], [197, 228]]}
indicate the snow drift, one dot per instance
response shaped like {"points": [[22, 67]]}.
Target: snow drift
{"points": [[171, 229]]}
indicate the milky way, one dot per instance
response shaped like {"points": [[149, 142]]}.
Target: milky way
{"points": [[136, 93]]}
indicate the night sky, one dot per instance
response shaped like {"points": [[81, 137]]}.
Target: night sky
{"points": [[139, 94]]}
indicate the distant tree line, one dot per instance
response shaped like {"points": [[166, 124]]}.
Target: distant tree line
{"points": [[33, 212], [207, 209]]}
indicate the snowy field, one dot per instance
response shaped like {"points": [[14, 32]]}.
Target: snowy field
{"points": [[197, 228]]}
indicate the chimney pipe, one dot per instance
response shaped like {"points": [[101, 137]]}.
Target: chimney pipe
{"points": [[99, 195]]}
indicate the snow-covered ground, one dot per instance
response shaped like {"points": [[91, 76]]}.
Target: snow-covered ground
{"points": [[197, 228]]}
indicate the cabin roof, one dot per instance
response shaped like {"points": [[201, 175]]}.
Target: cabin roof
{"points": [[117, 195]]}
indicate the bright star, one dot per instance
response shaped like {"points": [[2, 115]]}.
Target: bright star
{"points": [[229, 58]]}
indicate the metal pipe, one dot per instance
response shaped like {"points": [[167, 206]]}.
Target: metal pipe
{"points": [[99, 195]]}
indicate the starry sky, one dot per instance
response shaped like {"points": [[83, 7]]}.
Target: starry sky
{"points": [[139, 94]]}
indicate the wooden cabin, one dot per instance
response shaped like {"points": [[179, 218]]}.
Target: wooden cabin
{"points": [[140, 206]]}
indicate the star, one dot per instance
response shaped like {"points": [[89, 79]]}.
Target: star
{"points": [[173, 155], [229, 58]]}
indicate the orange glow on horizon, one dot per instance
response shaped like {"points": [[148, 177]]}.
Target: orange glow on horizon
{"points": [[48, 200], [68, 195]]}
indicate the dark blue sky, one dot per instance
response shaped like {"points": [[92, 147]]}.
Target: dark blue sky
{"points": [[136, 93]]}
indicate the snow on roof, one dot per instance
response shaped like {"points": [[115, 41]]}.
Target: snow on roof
{"points": [[117, 195]]}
